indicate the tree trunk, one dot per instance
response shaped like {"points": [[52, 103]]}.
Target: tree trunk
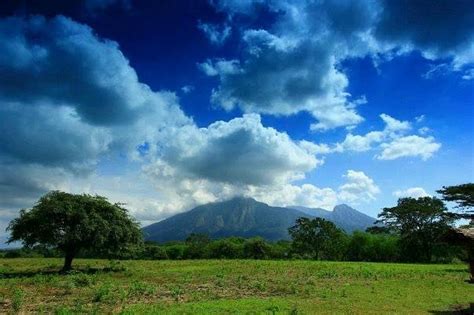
{"points": [[68, 262]]}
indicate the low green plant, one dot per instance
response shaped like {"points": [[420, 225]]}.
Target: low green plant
{"points": [[17, 299], [102, 293]]}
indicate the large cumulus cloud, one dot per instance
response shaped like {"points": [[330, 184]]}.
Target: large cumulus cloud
{"points": [[240, 151], [67, 100], [295, 64], [439, 29], [66, 94]]}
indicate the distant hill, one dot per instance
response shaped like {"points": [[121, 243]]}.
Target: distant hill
{"points": [[239, 216], [245, 217], [342, 215]]}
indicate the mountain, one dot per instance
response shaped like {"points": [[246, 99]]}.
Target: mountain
{"points": [[239, 216], [314, 212], [247, 217], [342, 215]]}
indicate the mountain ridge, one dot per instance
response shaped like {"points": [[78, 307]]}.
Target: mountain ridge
{"points": [[342, 215], [245, 217]]}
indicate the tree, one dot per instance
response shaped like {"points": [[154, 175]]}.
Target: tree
{"points": [[378, 230], [71, 223], [420, 222], [196, 243], [256, 248], [317, 239], [364, 246], [463, 195], [228, 248]]}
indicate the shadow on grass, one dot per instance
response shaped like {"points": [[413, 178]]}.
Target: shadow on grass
{"points": [[50, 272], [457, 310]]}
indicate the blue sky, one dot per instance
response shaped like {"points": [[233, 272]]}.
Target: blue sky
{"points": [[168, 104]]}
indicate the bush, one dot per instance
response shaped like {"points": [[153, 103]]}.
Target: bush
{"points": [[196, 246], [256, 248], [280, 250], [154, 252], [225, 248], [175, 251], [365, 246]]}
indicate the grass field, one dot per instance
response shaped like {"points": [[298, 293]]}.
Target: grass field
{"points": [[231, 286]]}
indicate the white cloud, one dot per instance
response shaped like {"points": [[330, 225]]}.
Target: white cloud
{"points": [[409, 146], [468, 74], [414, 192], [240, 151], [215, 33], [187, 89], [424, 130], [290, 195], [359, 188], [220, 66], [392, 141], [360, 143], [420, 119], [394, 125]]}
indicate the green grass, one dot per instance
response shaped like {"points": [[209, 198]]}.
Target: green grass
{"points": [[231, 287]]}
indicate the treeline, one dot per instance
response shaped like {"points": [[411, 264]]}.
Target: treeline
{"points": [[358, 246], [375, 245]]}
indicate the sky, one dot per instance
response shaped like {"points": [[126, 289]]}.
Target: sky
{"points": [[165, 105]]}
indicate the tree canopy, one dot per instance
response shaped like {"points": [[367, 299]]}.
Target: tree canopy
{"points": [[463, 195], [71, 223], [317, 238], [420, 222]]}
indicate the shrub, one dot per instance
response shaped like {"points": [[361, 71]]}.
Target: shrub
{"points": [[365, 246], [175, 251], [256, 248], [225, 248]]}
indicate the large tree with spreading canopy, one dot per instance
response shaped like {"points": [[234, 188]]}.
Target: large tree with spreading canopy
{"points": [[71, 223]]}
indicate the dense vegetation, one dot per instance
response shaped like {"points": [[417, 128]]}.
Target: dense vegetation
{"points": [[231, 287], [358, 246]]}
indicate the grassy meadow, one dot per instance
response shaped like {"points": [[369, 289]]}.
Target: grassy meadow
{"points": [[231, 286]]}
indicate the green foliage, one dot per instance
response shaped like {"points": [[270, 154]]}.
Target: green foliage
{"points": [[280, 250], [256, 248], [318, 239], [420, 223], [378, 230], [365, 246], [139, 288], [225, 248], [463, 195], [17, 300], [153, 251], [102, 293], [175, 251], [196, 245], [71, 223]]}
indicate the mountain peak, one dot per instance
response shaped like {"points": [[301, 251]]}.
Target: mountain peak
{"points": [[344, 207], [242, 198]]}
